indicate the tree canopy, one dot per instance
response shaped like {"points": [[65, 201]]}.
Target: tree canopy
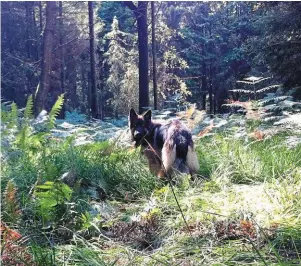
{"points": [[202, 49]]}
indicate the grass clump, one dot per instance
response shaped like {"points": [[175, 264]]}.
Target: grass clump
{"points": [[234, 160]]}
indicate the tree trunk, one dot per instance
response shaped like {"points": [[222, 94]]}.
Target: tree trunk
{"points": [[84, 86], [62, 54], [93, 97], [28, 29], [210, 50], [141, 15], [41, 27], [210, 90], [204, 76], [154, 56], [204, 85], [36, 34], [101, 86], [214, 102], [43, 88]]}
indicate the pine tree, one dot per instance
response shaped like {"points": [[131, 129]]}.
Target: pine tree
{"points": [[122, 70]]}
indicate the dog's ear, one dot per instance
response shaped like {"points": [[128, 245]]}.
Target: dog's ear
{"points": [[133, 117], [148, 116]]}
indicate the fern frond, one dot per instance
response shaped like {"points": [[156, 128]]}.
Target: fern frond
{"points": [[28, 112], [273, 108], [234, 105], [242, 91], [252, 80], [268, 88], [291, 120], [10, 203], [55, 110], [13, 116], [23, 136], [274, 100], [245, 82]]}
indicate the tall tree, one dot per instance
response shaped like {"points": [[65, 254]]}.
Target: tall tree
{"points": [[62, 54], [154, 56], [122, 70], [94, 107], [140, 13], [44, 85]]}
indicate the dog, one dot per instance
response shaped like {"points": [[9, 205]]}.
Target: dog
{"points": [[169, 148]]}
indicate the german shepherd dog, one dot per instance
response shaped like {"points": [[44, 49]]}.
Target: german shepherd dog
{"points": [[168, 148]]}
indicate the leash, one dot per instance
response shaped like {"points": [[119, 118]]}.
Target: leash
{"points": [[172, 188]]}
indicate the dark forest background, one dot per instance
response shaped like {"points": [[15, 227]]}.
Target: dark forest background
{"points": [[110, 56]]}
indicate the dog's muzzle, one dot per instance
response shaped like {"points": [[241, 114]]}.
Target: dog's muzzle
{"points": [[138, 136]]}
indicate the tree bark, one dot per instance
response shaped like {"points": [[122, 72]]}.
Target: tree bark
{"points": [[41, 27], [62, 54], [204, 85], [44, 86], [93, 97], [204, 75], [210, 50], [28, 29], [36, 34], [140, 13], [154, 56]]}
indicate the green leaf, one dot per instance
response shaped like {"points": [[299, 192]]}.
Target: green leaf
{"points": [[13, 116], [56, 108], [28, 112]]}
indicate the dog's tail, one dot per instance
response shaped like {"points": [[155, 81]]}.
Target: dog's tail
{"points": [[181, 152]]}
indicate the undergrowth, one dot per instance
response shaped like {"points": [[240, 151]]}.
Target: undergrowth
{"points": [[96, 204]]}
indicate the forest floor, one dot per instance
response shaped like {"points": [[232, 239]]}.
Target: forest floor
{"points": [[81, 195]]}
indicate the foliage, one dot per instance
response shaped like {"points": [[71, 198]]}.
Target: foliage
{"points": [[11, 211], [122, 70], [277, 41], [13, 253], [202, 50], [253, 88], [28, 112], [75, 117], [55, 110], [276, 106], [51, 196]]}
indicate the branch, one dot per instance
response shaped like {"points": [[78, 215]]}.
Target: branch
{"points": [[130, 5]]}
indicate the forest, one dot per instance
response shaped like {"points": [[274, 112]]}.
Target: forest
{"points": [[74, 190]]}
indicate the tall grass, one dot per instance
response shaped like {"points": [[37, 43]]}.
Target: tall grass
{"points": [[229, 159], [265, 173]]}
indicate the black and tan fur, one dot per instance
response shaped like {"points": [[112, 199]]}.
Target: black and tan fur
{"points": [[168, 148]]}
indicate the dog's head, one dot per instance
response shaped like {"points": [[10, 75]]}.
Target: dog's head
{"points": [[140, 126]]}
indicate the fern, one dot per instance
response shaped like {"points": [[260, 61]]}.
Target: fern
{"points": [[234, 105], [271, 118], [252, 80], [49, 196], [11, 212], [13, 116], [28, 112], [278, 99], [242, 91], [23, 136], [56, 108], [268, 88]]}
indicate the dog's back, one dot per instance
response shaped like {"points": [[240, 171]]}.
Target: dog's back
{"points": [[177, 148]]}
